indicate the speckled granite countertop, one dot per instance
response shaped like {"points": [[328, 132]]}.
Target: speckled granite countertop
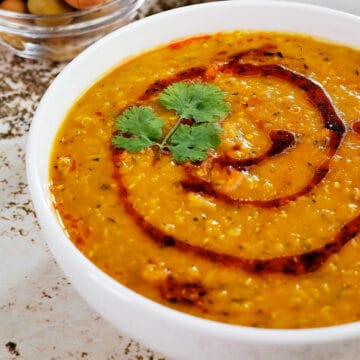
{"points": [[41, 315]]}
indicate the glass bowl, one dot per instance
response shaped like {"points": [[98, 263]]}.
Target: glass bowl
{"points": [[62, 37]]}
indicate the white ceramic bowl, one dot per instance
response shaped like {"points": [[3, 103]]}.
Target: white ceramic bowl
{"points": [[173, 333]]}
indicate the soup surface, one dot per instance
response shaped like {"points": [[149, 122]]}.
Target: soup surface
{"points": [[264, 231]]}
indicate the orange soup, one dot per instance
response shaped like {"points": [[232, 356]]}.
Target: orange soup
{"points": [[263, 229]]}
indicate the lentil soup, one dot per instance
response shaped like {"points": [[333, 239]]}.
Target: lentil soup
{"points": [[264, 231]]}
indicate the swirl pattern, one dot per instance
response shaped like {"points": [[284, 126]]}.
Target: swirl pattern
{"points": [[281, 140]]}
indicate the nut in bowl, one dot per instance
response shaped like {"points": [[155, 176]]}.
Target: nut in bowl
{"points": [[56, 30], [173, 173]]}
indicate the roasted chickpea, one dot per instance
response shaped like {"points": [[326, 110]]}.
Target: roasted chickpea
{"points": [[48, 7], [84, 4], [14, 5]]}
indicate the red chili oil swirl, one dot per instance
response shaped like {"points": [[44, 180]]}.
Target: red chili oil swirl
{"points": [[296, 264], [316, 96], [356, 127], [160, 85], [280, 141], [176, 291]]}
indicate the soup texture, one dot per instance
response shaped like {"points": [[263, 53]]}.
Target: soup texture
{"points": [[262, 231]]}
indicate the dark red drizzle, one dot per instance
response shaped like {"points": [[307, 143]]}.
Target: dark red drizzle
{"points": [[316, 96], [182, 43], [160, 85], [195, 184], [293, 264], [281, 140], [176, 291], [356, 127]]}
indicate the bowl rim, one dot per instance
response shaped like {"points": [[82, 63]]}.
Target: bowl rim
{"points": [[47, 219]]}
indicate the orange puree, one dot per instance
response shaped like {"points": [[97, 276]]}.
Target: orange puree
{"points": [[262, 233]]}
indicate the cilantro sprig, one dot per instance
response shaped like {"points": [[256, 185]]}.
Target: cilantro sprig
{"points": [[202, 105]]}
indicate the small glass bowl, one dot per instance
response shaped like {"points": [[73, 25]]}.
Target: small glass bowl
{"points": [[62, 37]]}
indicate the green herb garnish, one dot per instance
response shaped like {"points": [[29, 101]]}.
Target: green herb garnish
{"points": [[192, 142], [199, 102], [143, 126], [202, 104]]}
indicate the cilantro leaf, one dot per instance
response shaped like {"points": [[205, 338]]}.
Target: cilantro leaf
{"points": [[139, 128], [131, 144], [196, 101], [190, 143]]}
